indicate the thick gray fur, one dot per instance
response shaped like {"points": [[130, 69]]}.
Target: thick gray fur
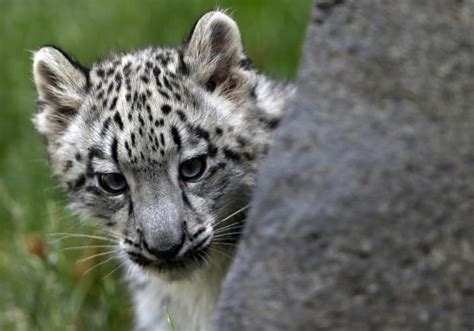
{"points": [[363, 216]]}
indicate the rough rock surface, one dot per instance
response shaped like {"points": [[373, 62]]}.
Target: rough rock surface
{"points": [[364, 214]]}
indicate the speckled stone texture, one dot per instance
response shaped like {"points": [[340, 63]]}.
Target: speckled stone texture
{"points": [[364, 214]]}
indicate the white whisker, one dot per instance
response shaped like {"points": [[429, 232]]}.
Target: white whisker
{"points": [[232, 215], [98, 264], [111, 233], [207, 257], [226, 234], [229, 227], [66, 235], [196, 260], [96, 255], [221, 252], [87, 246], [115, 269], [203, 257], [225, 243]]}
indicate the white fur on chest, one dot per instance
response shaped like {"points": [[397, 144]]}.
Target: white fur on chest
{"points": [[189, 302]]}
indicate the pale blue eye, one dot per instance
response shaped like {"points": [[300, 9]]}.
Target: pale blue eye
{"points": [[193, 168], [113, 183]]}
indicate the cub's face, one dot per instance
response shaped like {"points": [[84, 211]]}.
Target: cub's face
{"points": [[160, 146]]}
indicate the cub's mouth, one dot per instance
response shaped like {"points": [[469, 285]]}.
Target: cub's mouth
{"points": [[171, 259], [192, 252], [190, 261]]}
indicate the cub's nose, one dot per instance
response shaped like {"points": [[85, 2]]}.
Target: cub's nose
{"points": [[165, 251]]}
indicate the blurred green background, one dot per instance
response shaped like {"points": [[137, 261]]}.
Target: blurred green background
{"points": [[42, 285]]}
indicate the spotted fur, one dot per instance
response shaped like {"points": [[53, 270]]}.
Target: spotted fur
{"points": [[141, 114]]}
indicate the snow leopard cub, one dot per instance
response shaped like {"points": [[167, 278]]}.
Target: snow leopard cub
{"points": [[160, 146]]}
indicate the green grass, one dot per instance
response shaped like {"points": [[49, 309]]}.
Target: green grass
{"points": [[42, 286]]}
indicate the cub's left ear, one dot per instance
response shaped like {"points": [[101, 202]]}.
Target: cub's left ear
{"points": [[215, 53], [61, 84]]}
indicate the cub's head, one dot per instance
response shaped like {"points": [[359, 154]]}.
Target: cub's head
{"points": [[159, 146]]}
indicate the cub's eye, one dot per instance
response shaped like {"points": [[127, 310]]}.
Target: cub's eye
{"points": [[113, 183], [193, 168]]}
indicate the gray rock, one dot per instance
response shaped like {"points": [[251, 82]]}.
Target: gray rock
{"points": [[364, 214]]}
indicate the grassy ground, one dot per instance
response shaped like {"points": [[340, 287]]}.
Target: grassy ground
{"points": [[41, 285]]}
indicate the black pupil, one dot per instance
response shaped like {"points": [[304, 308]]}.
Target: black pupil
{"points": [[192, 168], [113, 182]]}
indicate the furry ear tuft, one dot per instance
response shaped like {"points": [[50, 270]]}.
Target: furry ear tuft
{"points": [[215, 51], [61, 84]]}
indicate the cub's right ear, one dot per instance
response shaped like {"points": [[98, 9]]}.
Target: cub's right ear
{"points": [[61, 84]]}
